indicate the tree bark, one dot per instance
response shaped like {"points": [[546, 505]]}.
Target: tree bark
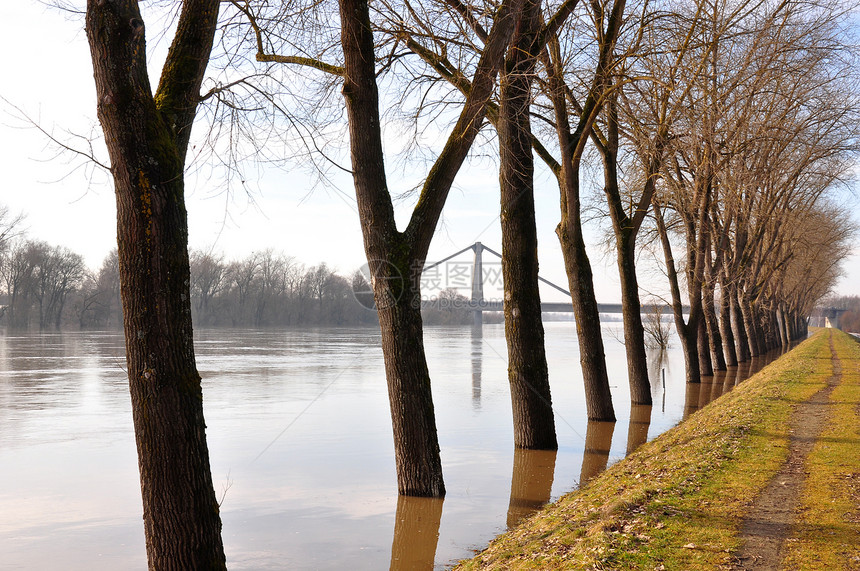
{"points": [[703, 347], [626, 229], [740, 332], [715, 339], [592, 357], [726, 323], [416, 445], [749, 322], [528, 375], [396, 258], [687, 331], [631, 312], [147, 138]]}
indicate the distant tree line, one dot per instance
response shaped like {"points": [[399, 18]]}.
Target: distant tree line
{"points": [[48, 287], [269, 289], [38, 281]]}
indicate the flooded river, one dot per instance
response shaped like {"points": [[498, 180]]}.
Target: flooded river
{"points": [[301, 447]]}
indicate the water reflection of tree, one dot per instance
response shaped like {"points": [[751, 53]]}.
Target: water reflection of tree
{"points": [[598, 441], [691, 400], [658, 363], [658, 328], [416, 532], [637, 429], [531, 483]]}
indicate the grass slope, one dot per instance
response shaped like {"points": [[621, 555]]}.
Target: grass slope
{"points": [[678, 501], [827, 530]]}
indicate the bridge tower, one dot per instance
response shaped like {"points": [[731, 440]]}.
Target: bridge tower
{"points": [[478, 285]]}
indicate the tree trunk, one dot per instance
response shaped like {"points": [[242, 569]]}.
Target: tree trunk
{"points": [[782, 326], [703, 347], [726, 324], [687, 331], [689, 338], [598, 397], [749, 324], [742, 342], [147, 143], [634, 331], [715, 340], [396, 285], [416, 445], [396, 258], [534, 426], [626, 228], [592, 358]]}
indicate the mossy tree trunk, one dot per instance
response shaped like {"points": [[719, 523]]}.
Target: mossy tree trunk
{"points": [[528, 375], [147, 138]]}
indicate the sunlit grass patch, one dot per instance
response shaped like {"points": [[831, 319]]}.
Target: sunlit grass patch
{"points": [[827, 530]]}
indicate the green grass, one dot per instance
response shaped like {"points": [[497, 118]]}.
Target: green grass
{"points": [[678, 502], [827, 530]]}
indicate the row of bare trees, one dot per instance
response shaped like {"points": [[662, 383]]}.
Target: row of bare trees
{"points": [[38, 280], [46, 287], [764, 134], [269, 289], [721, 128]]}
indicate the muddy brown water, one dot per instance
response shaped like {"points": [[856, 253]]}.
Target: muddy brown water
{"points": [[300, 444]]}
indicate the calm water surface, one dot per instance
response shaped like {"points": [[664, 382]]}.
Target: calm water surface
{"points": [[301, 448]]}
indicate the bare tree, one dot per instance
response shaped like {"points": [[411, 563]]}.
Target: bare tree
{"points": [[572, 139], [528, 374], [747, 155], [147, 135], [395, 257], [57, 272], [17, 270]]}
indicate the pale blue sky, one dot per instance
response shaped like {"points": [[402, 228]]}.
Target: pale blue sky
{"points": [[47, 73]]}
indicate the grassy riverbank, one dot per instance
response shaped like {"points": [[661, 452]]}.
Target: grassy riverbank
{"points": [[679, 501]]}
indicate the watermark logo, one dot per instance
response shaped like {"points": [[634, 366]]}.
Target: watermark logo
{"points": [[459, 276], [370, 274]]}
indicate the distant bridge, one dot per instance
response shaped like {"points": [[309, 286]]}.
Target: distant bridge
{"points": [[829, 316], [478, 304]]}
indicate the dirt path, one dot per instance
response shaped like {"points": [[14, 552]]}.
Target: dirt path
{"points": [[768, 524]]}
